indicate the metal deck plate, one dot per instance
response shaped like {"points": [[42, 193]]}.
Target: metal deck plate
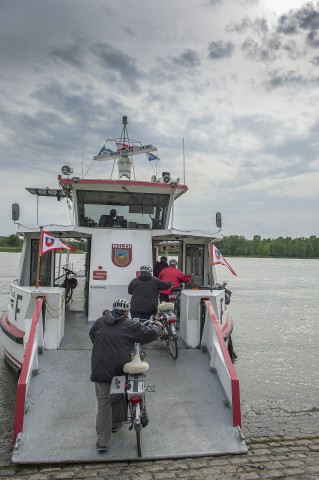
{"points": [[187, 413]]}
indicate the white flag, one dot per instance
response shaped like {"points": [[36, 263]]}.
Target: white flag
{"points": [[217, 258], [48, 243]]}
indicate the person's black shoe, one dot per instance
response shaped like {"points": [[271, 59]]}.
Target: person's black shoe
{"points": [[116, 427], [101, 448]]}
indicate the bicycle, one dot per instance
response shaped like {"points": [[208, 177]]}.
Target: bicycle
{"points": [[135, 394], [176, 299], [69, 283], [167, 317]]}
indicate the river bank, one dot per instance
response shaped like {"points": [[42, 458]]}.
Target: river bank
{"points": [[276, 457]]}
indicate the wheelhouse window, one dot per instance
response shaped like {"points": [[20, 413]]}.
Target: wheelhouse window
{"points": [[195, 260], [132, 210]]}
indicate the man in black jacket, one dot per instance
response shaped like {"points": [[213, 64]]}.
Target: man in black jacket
{"points": [[144, 290], [113, 337], [158, 266]]}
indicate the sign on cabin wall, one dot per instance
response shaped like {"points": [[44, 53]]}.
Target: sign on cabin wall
{"points": [[169, 249], [121, 254]]}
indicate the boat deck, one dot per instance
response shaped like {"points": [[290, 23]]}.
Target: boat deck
{"points": [[188, 415]]}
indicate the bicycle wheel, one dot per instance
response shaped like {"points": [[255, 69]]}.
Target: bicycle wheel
{"points": [[138, 428], [139, 442], [173, 347], [68, 295]]}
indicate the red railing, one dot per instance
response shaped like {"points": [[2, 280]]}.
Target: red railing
{"points": [[233, 376], [26, 371]]}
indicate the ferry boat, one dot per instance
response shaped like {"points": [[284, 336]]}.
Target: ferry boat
{"points": [[45, 334]]}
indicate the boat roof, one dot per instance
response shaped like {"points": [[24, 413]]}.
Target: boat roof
{"points": [[76, 231], [174, 234], [77, 183]]}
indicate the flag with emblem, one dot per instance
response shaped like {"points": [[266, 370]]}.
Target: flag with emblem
{"points": [[48, 243], [217, 258]]}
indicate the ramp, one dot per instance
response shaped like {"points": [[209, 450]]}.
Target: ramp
{"points": [[187, 412]]}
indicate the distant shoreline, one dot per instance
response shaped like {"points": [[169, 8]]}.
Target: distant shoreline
{"points": [[18, 250], [10, 249]]}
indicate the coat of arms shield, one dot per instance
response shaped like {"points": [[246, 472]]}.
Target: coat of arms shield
{"points": [[121, 254]]}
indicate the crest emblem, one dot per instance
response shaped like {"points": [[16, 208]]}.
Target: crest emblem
{"points": [[121, 254], [49, 241]]}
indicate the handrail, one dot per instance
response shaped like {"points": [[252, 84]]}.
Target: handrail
{"points": [[233, 376], [26, 371]]}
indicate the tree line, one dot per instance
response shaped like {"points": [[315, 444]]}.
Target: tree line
{"points": [[13, 243], [234, 245], [280, 247]]}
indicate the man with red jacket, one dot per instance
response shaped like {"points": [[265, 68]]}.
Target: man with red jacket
{"points": [[172, 274]]}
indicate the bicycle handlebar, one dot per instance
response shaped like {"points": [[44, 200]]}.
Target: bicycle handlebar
{"points": [[67, 270], [177, 289]]}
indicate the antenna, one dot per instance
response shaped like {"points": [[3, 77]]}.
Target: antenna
{"points": [[184, 160], [82, 165]]}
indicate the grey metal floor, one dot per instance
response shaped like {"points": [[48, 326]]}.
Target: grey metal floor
{"points": [[187, 413]]}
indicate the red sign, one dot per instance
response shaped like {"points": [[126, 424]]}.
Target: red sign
{"points": [[121, 254], [99, 274]]}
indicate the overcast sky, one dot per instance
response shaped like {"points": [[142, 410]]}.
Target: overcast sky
{"points": [[237, 79]]}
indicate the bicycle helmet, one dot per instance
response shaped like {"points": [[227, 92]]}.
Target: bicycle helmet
{"points": [[173, 262], [121, 305], [145, 269]]}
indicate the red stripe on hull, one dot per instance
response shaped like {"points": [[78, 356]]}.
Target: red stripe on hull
{"points": [[13, 361], [10, 330], [227, 328]]}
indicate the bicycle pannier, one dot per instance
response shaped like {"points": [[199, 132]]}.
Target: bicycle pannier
{"points": [[118, 399]]}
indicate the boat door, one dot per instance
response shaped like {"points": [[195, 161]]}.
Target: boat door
{"points": [[195, 261]]}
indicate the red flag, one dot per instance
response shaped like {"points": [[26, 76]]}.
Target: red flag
{"points": [[217, 258], [48, 243], [123, 146]]}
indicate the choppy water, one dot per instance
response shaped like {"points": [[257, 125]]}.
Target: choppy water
{"points": [[276, 337]]}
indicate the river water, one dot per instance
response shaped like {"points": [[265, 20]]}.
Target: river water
{"points": [[274, 305]]}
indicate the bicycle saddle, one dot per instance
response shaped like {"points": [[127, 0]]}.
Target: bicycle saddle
{"points": [[136, 366], [165, 306]]}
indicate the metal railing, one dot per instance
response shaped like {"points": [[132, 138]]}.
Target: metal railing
{"points": [[222, 364], [30, 357]]}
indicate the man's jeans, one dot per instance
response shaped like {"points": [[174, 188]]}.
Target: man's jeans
{"points": [[104, 414]]}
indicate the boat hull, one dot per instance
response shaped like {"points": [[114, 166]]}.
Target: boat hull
{"points": [[13, 343]]}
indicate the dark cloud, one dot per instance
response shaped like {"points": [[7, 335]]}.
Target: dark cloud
{"points": [[70, 54], [220, 49], [305, 18], [289, 78], [313, 39], [258, 25], [264, 51], [293, 50], [213, 3], [116, 61], [247, 3], [187, 58], [315, 61], [73, 100], [299, 152]]}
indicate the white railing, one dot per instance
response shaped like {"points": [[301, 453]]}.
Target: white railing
{"points": [[220, 361], [30, 363]]}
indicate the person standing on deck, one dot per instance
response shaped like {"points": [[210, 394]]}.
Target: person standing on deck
{"points": [[158, 266], [113, 336], [144, 290], [172, 274]]}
